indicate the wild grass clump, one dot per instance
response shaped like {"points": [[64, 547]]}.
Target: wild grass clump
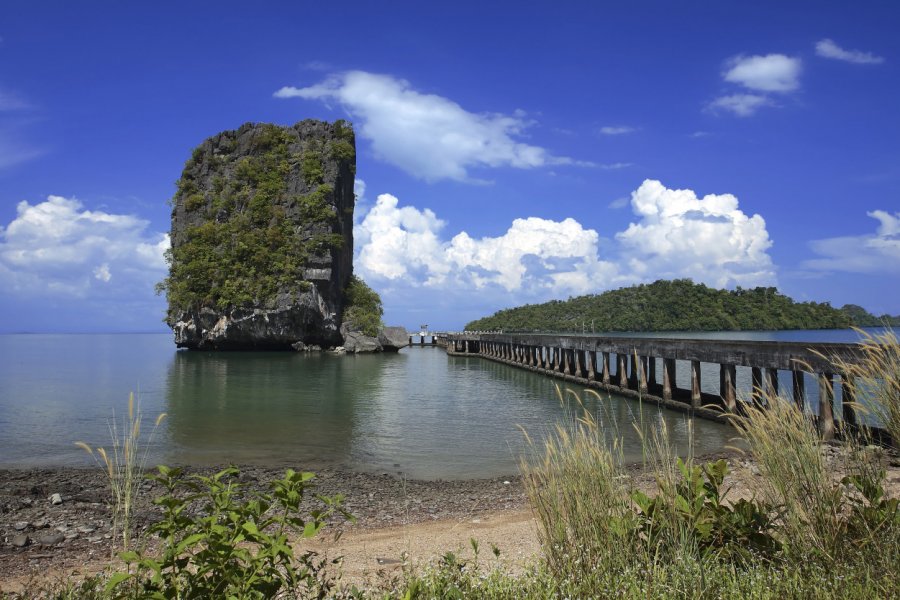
{"points": [[123, 465], [577, 486], [874, 379], [786, 446]]}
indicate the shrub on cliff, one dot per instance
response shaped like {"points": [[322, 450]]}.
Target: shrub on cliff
{"points": [[364, 309]]}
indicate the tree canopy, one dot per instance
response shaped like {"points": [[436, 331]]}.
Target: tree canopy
{"points": [[678, 305]]}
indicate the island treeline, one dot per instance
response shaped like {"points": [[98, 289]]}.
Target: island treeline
{"points": [[679, 305]]}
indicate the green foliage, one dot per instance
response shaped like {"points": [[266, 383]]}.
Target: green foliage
{"points": [[343, 130], [341, 150], [740, 531], [235, 546], [860, 317], [311, 167], [363, 309], [677, 305], [194, 202]]}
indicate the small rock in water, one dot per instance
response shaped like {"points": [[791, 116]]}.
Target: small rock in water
{"points": [[55, 499], [20, 541], [506, 483], [40, 524], [20, 525], [86, 529]]}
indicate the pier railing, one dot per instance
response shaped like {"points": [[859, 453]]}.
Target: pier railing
{"points": [[628, 366]]}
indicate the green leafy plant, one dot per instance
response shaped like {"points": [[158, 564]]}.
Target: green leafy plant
{"points": [[694, 507], [363, 307], [220, 542]]}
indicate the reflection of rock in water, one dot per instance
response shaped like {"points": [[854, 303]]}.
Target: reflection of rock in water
{"points": [[273, 408]]}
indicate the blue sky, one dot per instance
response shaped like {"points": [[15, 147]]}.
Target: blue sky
{"points": [[507, 152]]}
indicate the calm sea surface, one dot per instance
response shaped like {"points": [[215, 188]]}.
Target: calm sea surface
{"points": [[418, 413]]}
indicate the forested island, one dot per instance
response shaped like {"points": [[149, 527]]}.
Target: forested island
{"points": [[680, 305]]}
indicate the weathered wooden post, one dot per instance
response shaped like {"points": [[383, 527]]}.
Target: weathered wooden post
{"points": [[622, 370], [605, 373]]}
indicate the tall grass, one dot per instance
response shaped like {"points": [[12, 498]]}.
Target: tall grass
{"points": [[123, 465], [788, 451], [578, 487], [874, 379]]}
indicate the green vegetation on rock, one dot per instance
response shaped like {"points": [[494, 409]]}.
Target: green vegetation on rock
{"points": [[245, 238], [363, 308], [677, 305]]}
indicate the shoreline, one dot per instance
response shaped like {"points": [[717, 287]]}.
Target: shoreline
{"points": [[37, 537]]}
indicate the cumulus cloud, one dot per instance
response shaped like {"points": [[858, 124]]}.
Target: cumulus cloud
{"points": [[770, 73], [708, 239], [829, 49], [676, 235], [533, 257], [762, 75], [428, 136], [743, 105], [877, 252], [617, 130], [57, 247]]}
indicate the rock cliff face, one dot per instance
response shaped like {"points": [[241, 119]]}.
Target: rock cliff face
{"points": [[262, 238]]}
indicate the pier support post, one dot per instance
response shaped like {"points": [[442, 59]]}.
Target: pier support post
{"points": [[696, 397], [799, 385], [642, 374], [727, 384], [826, 406], [605, 371], [669, 382], [848, 410], [592, 365], [622, 370], [633, 379], [756, 389], [771, 383]]}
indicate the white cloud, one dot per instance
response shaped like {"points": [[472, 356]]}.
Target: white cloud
{"points": [[57, 247], [770, 73], [829, 49], [617, 130], [676, 235], [428, 136], [743, 105], [708, 239], [618, 203], [534, 257], [615, 166], [870, 253]]}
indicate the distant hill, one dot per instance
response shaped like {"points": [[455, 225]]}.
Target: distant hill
{"points": [[679, 305]]}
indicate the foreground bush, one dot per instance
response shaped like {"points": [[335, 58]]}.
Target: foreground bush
{"points": [[218, 542]]}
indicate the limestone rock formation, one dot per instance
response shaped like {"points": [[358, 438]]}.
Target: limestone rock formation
{"points": [[262, 238], [356, 341], [393, 338]]}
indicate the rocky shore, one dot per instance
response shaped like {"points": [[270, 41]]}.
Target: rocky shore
{"points": [[57, 520]]}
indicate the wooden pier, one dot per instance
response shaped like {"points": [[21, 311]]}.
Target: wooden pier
{"points": [[628, 366]]}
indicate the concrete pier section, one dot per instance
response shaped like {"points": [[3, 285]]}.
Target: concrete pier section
{"points": [[588, 361]]}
